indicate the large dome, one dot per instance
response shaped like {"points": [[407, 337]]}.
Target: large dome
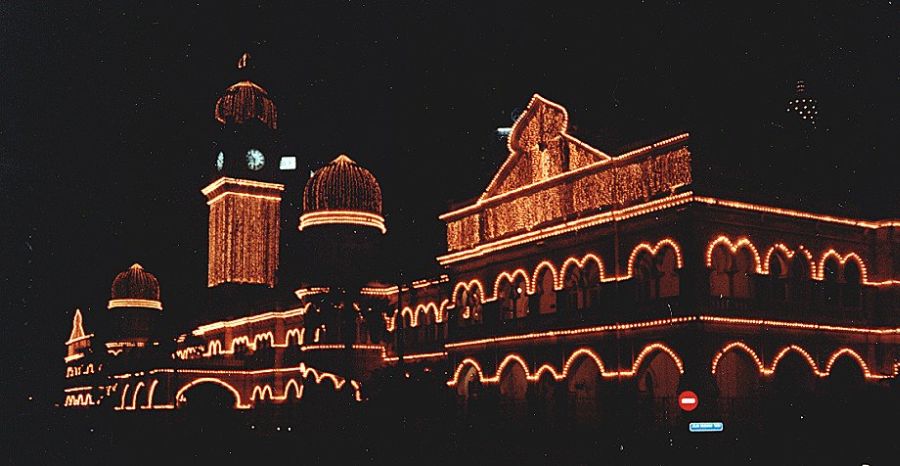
{"points": [[246, 101], [342, 192], [135, 287]]}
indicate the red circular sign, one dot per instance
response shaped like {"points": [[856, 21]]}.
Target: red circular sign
{"points": [[688, 400]]}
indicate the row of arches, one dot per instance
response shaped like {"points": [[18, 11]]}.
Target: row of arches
{"points": [[470, 369], [215, 347], [576, 358], [657, 370], [779, 259], [763, 369], [733, 265], [292, 389], [653, 266], [138, 396]]}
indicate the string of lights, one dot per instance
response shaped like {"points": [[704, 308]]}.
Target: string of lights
{"points": [[770, 370], [644, 209], [577, 355]]}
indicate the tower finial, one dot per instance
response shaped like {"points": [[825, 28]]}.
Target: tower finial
{"points": [[242, 62]]}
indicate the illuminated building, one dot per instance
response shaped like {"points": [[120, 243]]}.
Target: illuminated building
{"points": [[576, 270]]}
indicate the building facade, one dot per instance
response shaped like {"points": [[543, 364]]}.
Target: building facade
{"points": [[575, 278]]}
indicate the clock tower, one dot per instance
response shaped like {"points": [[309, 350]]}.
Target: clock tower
{"points": [[244, 199]]}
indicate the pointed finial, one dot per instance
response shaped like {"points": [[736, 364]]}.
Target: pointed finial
{"points": [[343, 159], [136, 266], [242, 62]]}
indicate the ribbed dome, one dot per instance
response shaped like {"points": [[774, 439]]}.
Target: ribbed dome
{"points": [[245, 101], [135, 287], [342, 192]]}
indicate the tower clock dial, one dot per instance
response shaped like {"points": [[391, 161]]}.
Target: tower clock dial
{"points": [[255, 159], [220, 161]]}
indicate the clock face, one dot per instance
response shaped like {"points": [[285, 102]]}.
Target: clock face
{"points": [[220, 161], [255, 159]]}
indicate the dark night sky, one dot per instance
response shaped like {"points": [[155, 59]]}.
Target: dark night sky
{"points": [[107, 120]]}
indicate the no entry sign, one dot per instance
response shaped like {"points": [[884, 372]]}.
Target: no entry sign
{"points": [[687, 400]]}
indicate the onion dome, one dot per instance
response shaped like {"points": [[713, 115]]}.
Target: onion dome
{"points": [[246, 101], [342, 192], [135, 287]]}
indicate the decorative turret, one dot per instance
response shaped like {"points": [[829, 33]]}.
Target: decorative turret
{"points": [[342, 192]]}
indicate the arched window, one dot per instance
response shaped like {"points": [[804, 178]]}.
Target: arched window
{"points": [[573, 288], [799, 279], [427, 325], [719, 283], [669, 283], [852, 284], [546, 293], [778, 269], [830, 277], [459, 303], [644, 277], [506, 297], [473, 305], [741, 279], [520, 298], [591, 286]]}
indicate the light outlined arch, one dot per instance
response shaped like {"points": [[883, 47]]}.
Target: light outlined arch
{"points": [[150, 393], [820, 275], [653, 250], [259, 337], [850, 353], [506, 276], [407, 311], [770, 370], [259, 393], [580, 264], [536, 275], [423, 310], [467, 362], [298, 389], [789, 255], [799, 350], [122, 399], [655, 348], [300, 333], [214, 347], [579, 354], [134, 395], [734, 247], [509, 360], [469, 287], [576, 357], [739, 345], [179, 396], [442, 311]]}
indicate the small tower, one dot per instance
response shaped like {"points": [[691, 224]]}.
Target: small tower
{"points": [[135, 307], [342, 223], [83, 368], [244, 199]]}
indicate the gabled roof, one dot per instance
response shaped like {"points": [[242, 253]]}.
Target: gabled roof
{"points": [[540, 147]]}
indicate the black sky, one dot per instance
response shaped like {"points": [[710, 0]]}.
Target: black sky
{"points": [[107, 119]]}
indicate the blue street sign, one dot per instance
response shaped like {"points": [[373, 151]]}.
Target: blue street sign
{"points": [[706, 426]]}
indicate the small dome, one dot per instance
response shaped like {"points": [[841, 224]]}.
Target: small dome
{"points": [[135, 287], [342, 192], [245, 101]]}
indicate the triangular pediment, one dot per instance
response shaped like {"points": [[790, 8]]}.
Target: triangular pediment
{"points": [[540, 148]]}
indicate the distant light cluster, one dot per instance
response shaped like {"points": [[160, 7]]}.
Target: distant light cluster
{"points": [[803, 105]]}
